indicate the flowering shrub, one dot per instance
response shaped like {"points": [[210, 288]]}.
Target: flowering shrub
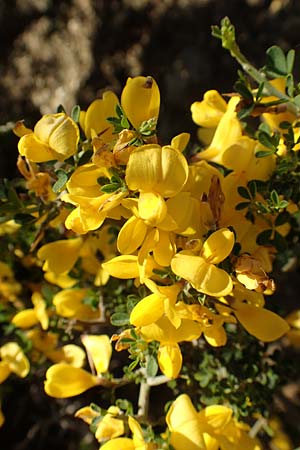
{"points": [[113, 242]]}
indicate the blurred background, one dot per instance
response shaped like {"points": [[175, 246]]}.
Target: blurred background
{"points": [[67, 52]]}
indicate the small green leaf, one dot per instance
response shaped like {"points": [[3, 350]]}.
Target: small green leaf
{"points": [[290, 59], [152, 366], [242, 205], [263, 153], [110, 188], [244, 192], [243, 90], [252, 186], [62, 178], [75, 113], [264, 237], [276, 60], [119, 319]]}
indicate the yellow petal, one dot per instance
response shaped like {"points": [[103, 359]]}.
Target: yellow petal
{"points": [[60, 132], [2, 418], [148, 310], [215, 336], [69, 303], [209, 112], [40, 309], [203, 276], [96, 116], [124, 267], [63, 381], [152, 168], [131, 235], [183, 422], [152, 208], [87, 414], [165, 249], [216, 416], [119, 444], [261, 323], [110, 427], [60, 256], [25, 319], [170, 360], [4, 371], [62, 280], [70, 354], [13, 355], [180, 141], [140, 99], [218, 246], [99, 348], [20, 129], [34, 149]]}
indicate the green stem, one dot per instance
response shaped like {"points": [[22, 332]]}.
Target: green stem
{"points": [[227, 35]]}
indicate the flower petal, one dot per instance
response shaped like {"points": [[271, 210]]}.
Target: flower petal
{"points": [[185, 427], [203, 276], [34, 149], [124, 267], [218, 246], [99, 348], [261, 323], [13, 355], [131, 235], [63, 381], [140, 99], [170, 360], [60, 256], [148, 310]]}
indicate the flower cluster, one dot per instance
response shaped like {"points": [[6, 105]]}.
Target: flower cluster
{"points": [[169, 243]]}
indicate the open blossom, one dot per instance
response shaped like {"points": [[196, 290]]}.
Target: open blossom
{"points": [[199, 267], [55, 136]]}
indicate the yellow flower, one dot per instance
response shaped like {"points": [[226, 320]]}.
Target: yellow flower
{"points": [[169, 354], [227, 132], [69, 303], [293, 335], [64, 380], [212, 428], [92, 205], [247, 307], [140, 100], [13, 360], [31, 316], [136, 443], [156, 169], [55, 136], [151, 308], [200, 270], [94, 121], [109, 427]]}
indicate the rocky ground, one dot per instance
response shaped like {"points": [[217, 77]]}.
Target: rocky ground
{"points": [[67, 51]]}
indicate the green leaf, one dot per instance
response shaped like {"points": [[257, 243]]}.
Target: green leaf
{"points": [[266, 140], [119, 319], [276, 60], [110, 188], [242, 205], [61, 109], [263, 153], [85, 157], [290, 59], [152, 366], [62, 178], [243, 90], [264, 238], [252, 186], [24, 218], [75, 113], [274, 197], [244, 192], [296, 100], [282, 218]]}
